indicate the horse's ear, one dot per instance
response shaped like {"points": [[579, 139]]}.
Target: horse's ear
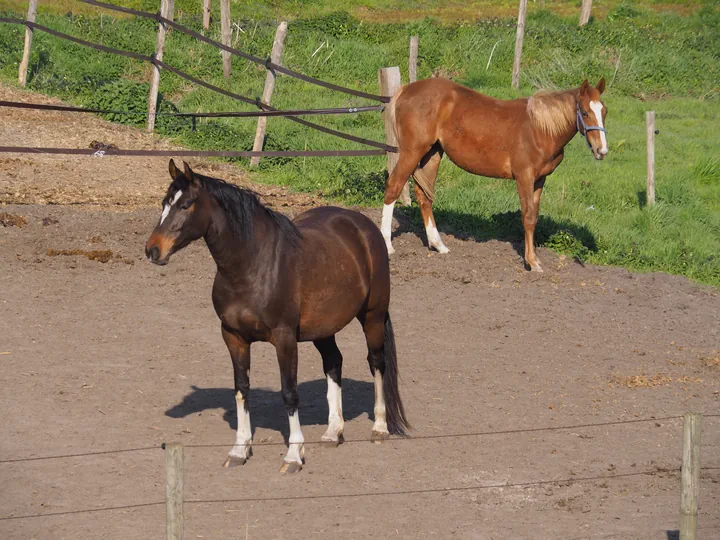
{"points": [[601, 85], [584, 87], [175, 173], [190, 175]]}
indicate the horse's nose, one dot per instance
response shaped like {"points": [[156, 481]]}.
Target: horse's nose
{"points": [[152, 254], [604, 151]]}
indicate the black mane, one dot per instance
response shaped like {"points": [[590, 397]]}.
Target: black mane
{"points": [[242, 206]]}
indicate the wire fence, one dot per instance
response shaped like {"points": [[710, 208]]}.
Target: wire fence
{"points": [[265, 108], [574, 479]]}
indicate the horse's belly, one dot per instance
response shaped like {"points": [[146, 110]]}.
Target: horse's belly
{"points": [[485, 158], [324, 315]]}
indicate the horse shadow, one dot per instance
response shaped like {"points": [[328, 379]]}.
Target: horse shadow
{"points": [[267, 409], [506, 226]]}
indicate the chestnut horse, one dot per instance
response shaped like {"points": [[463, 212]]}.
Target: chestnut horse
{"points": [[522, 139], [282, 282]]}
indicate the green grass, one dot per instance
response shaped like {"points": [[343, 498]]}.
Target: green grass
{"points": [[652, 58]]}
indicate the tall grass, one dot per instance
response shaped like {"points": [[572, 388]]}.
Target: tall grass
{"points": [[651, 60]]}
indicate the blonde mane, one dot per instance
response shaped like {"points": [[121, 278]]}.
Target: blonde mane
{"points": [[552, 112]]}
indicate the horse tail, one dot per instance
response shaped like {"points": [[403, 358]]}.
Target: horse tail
{"points": [[394, 411], [391, 109]]}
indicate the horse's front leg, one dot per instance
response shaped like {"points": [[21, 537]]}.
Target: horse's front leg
{"points": [[240, 354], [286, 346], [530, 190]]}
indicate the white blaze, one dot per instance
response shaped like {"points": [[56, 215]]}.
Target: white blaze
{"points": [[596, 107], [166, 210]]}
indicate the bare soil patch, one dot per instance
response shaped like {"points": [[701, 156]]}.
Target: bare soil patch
{"points": [[99, 357]]}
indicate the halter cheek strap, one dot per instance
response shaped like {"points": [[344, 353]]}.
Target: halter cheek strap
{"points": [[580, 122]]}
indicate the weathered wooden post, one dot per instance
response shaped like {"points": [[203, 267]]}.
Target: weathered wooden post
{"points": [[22, 74], [226, 31], [690, 476], [206, 14], [174, 482], [167, 9], [519, 43], [275, 57], [650, 129], [389, 80], [585, 12], [412, 68]]}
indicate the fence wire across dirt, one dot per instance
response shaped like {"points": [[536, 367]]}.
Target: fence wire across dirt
{"points": [[363, 440], [563, 481], [244, 99]]}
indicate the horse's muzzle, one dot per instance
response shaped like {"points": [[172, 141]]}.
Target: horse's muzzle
{"points": [[599, 154], [153, 255]]}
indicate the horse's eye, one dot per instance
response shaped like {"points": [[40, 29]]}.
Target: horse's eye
{"points": [[186, 205], [584, 114]]}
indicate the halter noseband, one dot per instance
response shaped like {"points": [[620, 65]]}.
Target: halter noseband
{"points": [[580, 122]]}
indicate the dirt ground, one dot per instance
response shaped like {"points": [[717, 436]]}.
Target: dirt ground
{"points": [[100, 356]]}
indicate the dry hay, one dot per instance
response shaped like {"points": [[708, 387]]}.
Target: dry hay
{"points": [[645, 381], [710, 361], [12, 220]]}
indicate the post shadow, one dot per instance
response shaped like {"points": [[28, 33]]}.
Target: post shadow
{"points": [[267, 409]]}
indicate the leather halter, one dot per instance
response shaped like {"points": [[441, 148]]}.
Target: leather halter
{"points": [[580, 122]]}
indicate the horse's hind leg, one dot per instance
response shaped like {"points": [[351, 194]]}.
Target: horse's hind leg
{"points": [[425, 175], [332, 366], [408, 161], [240, 354]]}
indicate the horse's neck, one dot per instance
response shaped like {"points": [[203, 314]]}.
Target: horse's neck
{"points": [[233, 255]]}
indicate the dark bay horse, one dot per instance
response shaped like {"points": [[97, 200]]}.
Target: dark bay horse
{"points": [[282, 282], [522, 139]]}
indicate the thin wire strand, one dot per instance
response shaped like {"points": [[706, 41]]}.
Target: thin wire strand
{"points": [[84, 511], [459, 435], [84, 454]]}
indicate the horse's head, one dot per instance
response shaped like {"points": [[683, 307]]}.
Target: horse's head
{"points": [[184, 217], [591, 112]]}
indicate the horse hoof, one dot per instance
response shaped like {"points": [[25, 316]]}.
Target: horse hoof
{"points": [[233, 461], [537, 268], [441, 249], [291, 468], [328, 441], [379, 436]]}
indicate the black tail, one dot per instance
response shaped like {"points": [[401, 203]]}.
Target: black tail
{"points": [[394, 411]]}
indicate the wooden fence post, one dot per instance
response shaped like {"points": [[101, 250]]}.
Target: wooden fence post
{"points": [[690, 476], [206, 14], [412, 69], [22, 74], [174, 520], [275, 57], [519, 43], [167, 9], [650, 128], [226, 35], [389, 80], [585, 12]]}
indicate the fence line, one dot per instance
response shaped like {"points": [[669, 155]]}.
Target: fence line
{"points": [[188, 77], [267, 63], [186, 153], [573, 480], [404, 439], [221, 114]]}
